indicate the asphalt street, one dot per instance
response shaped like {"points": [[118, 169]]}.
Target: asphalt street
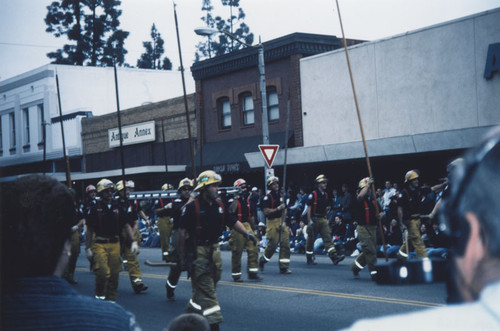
{"points": [[320, 297]]}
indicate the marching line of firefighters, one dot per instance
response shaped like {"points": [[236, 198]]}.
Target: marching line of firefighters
{"points": [[190, 226]]}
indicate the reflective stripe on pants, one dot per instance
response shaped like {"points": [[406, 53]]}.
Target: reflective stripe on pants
{"points": [[131, 261], [367, 235], [165, 228], [237, 243], [320, 226], [272, 234], [206, 272], [107, 267], [414, 240]]}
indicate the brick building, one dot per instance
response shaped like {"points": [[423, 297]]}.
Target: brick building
{"points": [[144, 160], [230, 104]]}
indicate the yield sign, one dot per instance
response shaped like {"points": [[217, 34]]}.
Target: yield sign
{"points": [[269, 152]]}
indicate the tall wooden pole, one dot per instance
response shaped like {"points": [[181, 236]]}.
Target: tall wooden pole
{"points": [[66, 158], [193, 164], [284, 164], [361, 128], [122, 158], [164, 147], [44, 132]]}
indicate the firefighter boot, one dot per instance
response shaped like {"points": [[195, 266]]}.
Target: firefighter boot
{"points": [[238, 279], [310, 259], [336, 258], [355, 270], [254, 276], [170, 292], [262, 261], [138, 286], [402, 256]]}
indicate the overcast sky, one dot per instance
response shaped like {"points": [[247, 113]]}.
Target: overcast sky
{"points": [[24, 42]]}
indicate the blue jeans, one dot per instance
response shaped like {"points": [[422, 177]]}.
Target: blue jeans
{"points": [[318, 245], [392, 250], [437, 252]]}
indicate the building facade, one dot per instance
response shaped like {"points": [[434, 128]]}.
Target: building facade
{"points": [[424, 97], [30, 122], [230, 101], [156, 144]]}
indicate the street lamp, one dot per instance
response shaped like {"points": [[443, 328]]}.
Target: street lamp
{"points": [[265, 127]]}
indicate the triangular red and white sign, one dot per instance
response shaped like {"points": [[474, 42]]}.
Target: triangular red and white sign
{"points": [[269, 153]]}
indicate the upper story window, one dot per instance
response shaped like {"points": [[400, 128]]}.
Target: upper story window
{"points": [[224, 110], [247, 109], [273, 110], [26, 126], [12, 126], [40, 123]]}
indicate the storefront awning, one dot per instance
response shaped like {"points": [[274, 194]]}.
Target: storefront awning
{"points": [[229, 156]]}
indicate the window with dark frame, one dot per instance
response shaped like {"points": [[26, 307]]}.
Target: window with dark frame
{"points": [[40, 123], [247, 109], [273, 111], [12, 123], [224, 109], [26, 123]]}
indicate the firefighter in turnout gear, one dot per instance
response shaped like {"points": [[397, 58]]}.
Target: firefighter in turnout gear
{"points": [[364, 212], [106, 220], [130, 259], [273, 206], [203, 220], [240, 210], [174, 210], [318, 205], [165, 224], [410, 207]]}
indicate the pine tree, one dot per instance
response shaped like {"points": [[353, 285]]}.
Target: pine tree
{"points": [[91, 27], [234, 24], [203, 49], [151, 58]]}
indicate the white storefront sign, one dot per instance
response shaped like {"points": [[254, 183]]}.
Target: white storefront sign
{"points": [[132, 134]]}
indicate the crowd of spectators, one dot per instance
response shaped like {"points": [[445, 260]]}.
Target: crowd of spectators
{"points": [[342, 225]]}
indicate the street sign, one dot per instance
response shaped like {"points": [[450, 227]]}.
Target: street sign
{"points": [[269, 153]]}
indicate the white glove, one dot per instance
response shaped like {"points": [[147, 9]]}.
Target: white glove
{"points": [[134, 247], [74, 228], [281, 207], [168, 206], [89, 253]]}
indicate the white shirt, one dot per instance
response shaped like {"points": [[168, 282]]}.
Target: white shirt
{"points": [[483, 314], [388, 194]]}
